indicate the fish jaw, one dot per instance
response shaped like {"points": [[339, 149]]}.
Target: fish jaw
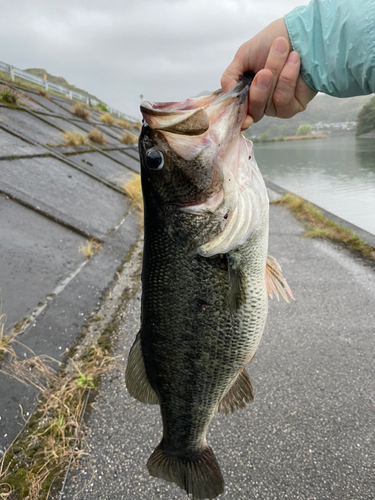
{"points": [[243, 199], [203, 136]]}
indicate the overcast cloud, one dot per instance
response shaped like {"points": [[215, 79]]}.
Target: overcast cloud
{"points": [[164, 49]]}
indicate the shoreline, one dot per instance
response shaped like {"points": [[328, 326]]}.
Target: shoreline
{"points": [[258, 140]]}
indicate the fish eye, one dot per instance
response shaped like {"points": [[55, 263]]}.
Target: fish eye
{"points": [[154, 159]]}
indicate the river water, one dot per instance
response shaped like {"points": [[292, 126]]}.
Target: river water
{"points": [[337, 174]]}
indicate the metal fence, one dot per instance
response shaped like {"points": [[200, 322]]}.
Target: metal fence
{"points": [[71, 94]]}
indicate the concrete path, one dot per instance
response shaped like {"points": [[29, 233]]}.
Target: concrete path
{"points": [[310, 432]]}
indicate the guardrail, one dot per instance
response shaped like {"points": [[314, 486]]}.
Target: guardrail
{"points": [[71, 94]]}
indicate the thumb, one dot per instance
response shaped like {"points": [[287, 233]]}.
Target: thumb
{"points": [[231, 75]]}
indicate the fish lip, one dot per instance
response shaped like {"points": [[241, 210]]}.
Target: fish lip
{"points": [[157, 108], [241, 90], [191, 106]]}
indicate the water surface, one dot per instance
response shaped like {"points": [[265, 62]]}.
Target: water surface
{"points": [[337, 174]]}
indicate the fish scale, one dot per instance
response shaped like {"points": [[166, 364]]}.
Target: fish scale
{"points": [[201, 351]]}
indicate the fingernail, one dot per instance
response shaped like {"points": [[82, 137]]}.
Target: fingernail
{"points": [[263, 81], [280, 46], [293, 58]]}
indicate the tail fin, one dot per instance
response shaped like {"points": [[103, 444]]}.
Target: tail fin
{"points": [[200, 476]]}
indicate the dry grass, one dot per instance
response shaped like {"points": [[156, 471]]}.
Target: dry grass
{"points": [[74, 139], [34, 370], [22, 102], [133, 189], [81, 110], [6, 347], [96, 136], [15, 96], [137, 125], [44, 94], [123, 123], [89, 248], [37, 459], [128, 138], [107, 118], [318, 226], [97, 110]]}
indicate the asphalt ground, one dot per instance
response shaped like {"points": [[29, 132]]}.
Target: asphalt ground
{"points": [[310, 432]]}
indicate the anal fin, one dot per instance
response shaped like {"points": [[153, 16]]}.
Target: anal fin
{"points": [[136, 379], [238, 395], [275, 281]]}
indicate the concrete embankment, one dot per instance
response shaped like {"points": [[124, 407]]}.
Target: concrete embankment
{"points": [[53, 198], [310, 432]]}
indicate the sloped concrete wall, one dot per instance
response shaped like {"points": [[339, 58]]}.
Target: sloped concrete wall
{"points": [[52, 199]]}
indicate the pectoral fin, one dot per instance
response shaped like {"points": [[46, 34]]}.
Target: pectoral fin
{"points": [[275, 281], [236, 284], [238, 395], [136, 379]]}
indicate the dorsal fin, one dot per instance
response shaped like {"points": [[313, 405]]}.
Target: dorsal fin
{"points": [[275, 281]]}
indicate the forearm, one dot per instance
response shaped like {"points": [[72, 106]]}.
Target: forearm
{"points": [[336, 42]]}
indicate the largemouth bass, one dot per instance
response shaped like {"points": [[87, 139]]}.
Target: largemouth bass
{"points": [[205, 277]]}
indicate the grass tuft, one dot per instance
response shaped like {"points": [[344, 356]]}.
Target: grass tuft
{"points": [[133, 189], [137, 125], [107, 118], [89, 248], [74, 139], [8, 95], [128, 138], [81, 110], [96, 136], [5, 340], [35, 463], [44, 94], [123, 123], [102, 107], [318, 226]]}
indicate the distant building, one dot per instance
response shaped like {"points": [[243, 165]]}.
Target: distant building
{"points": [[329, 128]]}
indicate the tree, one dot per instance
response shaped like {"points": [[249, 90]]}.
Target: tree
{"points": [[366, 118], [304, 130]]}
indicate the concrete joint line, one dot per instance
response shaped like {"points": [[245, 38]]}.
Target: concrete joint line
{"points": [[51, 213], [61, 157], [38, 311]]}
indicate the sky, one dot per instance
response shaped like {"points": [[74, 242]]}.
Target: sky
{"points": [[165, 50]]}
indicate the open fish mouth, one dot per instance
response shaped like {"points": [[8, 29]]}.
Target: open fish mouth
{"points": [[195, 116], [207, 130]]}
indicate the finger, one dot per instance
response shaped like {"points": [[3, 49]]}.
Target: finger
{"points": [[232, 74], [275, 62], [259, 94], [248, 121], [285, 102]]}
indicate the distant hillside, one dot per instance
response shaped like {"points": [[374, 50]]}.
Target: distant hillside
{"points": [[323, 108], [58, 80]]}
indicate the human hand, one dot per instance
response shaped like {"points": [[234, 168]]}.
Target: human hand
{"points": [[278, 88]]}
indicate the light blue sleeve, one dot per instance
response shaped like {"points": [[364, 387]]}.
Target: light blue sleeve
{"points": [[336, 42]]}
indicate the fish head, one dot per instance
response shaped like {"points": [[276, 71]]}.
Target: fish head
{"points": [[194, 164]]}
